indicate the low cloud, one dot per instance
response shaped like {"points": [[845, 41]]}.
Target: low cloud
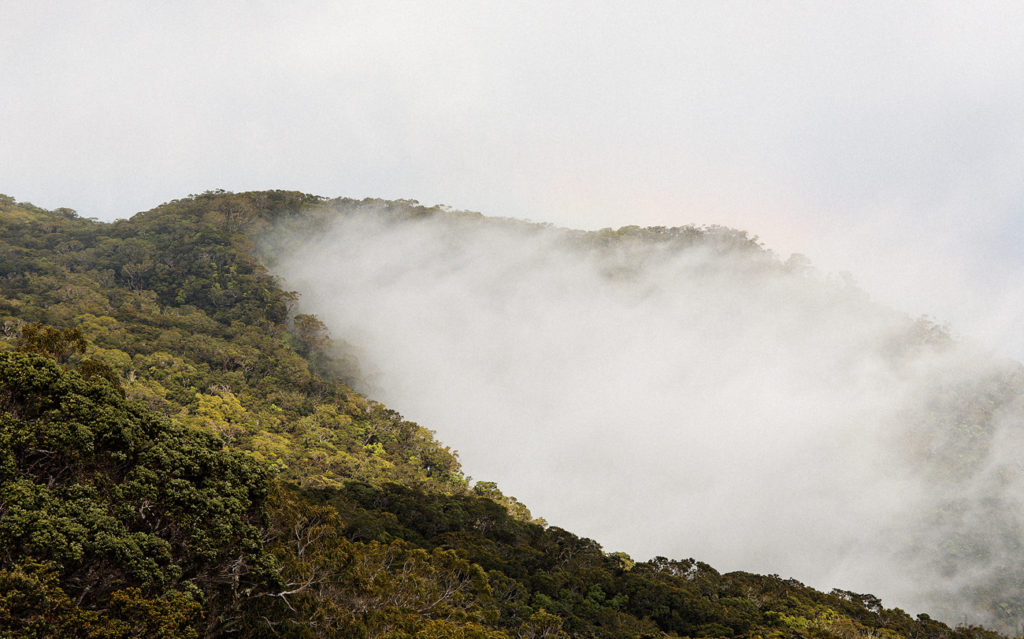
{"points": [[687, 394]]}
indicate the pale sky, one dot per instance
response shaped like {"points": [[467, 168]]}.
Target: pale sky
{"points": [[884, 139]]}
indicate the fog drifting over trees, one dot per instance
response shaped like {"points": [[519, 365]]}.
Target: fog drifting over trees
{"points": [[687, 393]]}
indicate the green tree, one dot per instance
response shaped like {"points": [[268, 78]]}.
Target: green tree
{"points": [[50, 341], [118, 500]]}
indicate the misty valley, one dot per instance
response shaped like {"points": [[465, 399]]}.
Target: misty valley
{"points": [[238, 414]]}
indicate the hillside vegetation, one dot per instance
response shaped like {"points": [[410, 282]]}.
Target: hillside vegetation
{"points": [[183, 455]]}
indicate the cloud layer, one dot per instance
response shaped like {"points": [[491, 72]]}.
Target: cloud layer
{"points": [[710, 401]]}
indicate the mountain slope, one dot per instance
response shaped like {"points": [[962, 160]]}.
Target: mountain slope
{"points": [[269, 497]]}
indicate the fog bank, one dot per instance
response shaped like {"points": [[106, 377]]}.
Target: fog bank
{"points": [[688, 394]]}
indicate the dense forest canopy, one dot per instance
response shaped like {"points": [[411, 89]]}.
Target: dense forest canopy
{"points": [[182, 454]]}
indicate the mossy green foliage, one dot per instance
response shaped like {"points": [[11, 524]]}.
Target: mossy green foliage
{"points": [[536, 573], [116, 509], [176, 305], [182, 456]]}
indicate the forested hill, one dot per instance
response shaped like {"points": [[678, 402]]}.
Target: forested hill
{"points": [[181, 455]]}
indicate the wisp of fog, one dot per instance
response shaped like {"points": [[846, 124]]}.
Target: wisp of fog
{"points": [[686, 393]]}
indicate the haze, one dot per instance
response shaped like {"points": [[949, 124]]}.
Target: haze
{"points": [[712, 403]]}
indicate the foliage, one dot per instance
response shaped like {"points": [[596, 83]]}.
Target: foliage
{"points": [[123, 510], [184, 317]]}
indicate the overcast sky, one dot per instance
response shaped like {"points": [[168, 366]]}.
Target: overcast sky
{"points": [[884, 139]]}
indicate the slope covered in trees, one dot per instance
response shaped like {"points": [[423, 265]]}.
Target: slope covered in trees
{"points": [[181, 454]]}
